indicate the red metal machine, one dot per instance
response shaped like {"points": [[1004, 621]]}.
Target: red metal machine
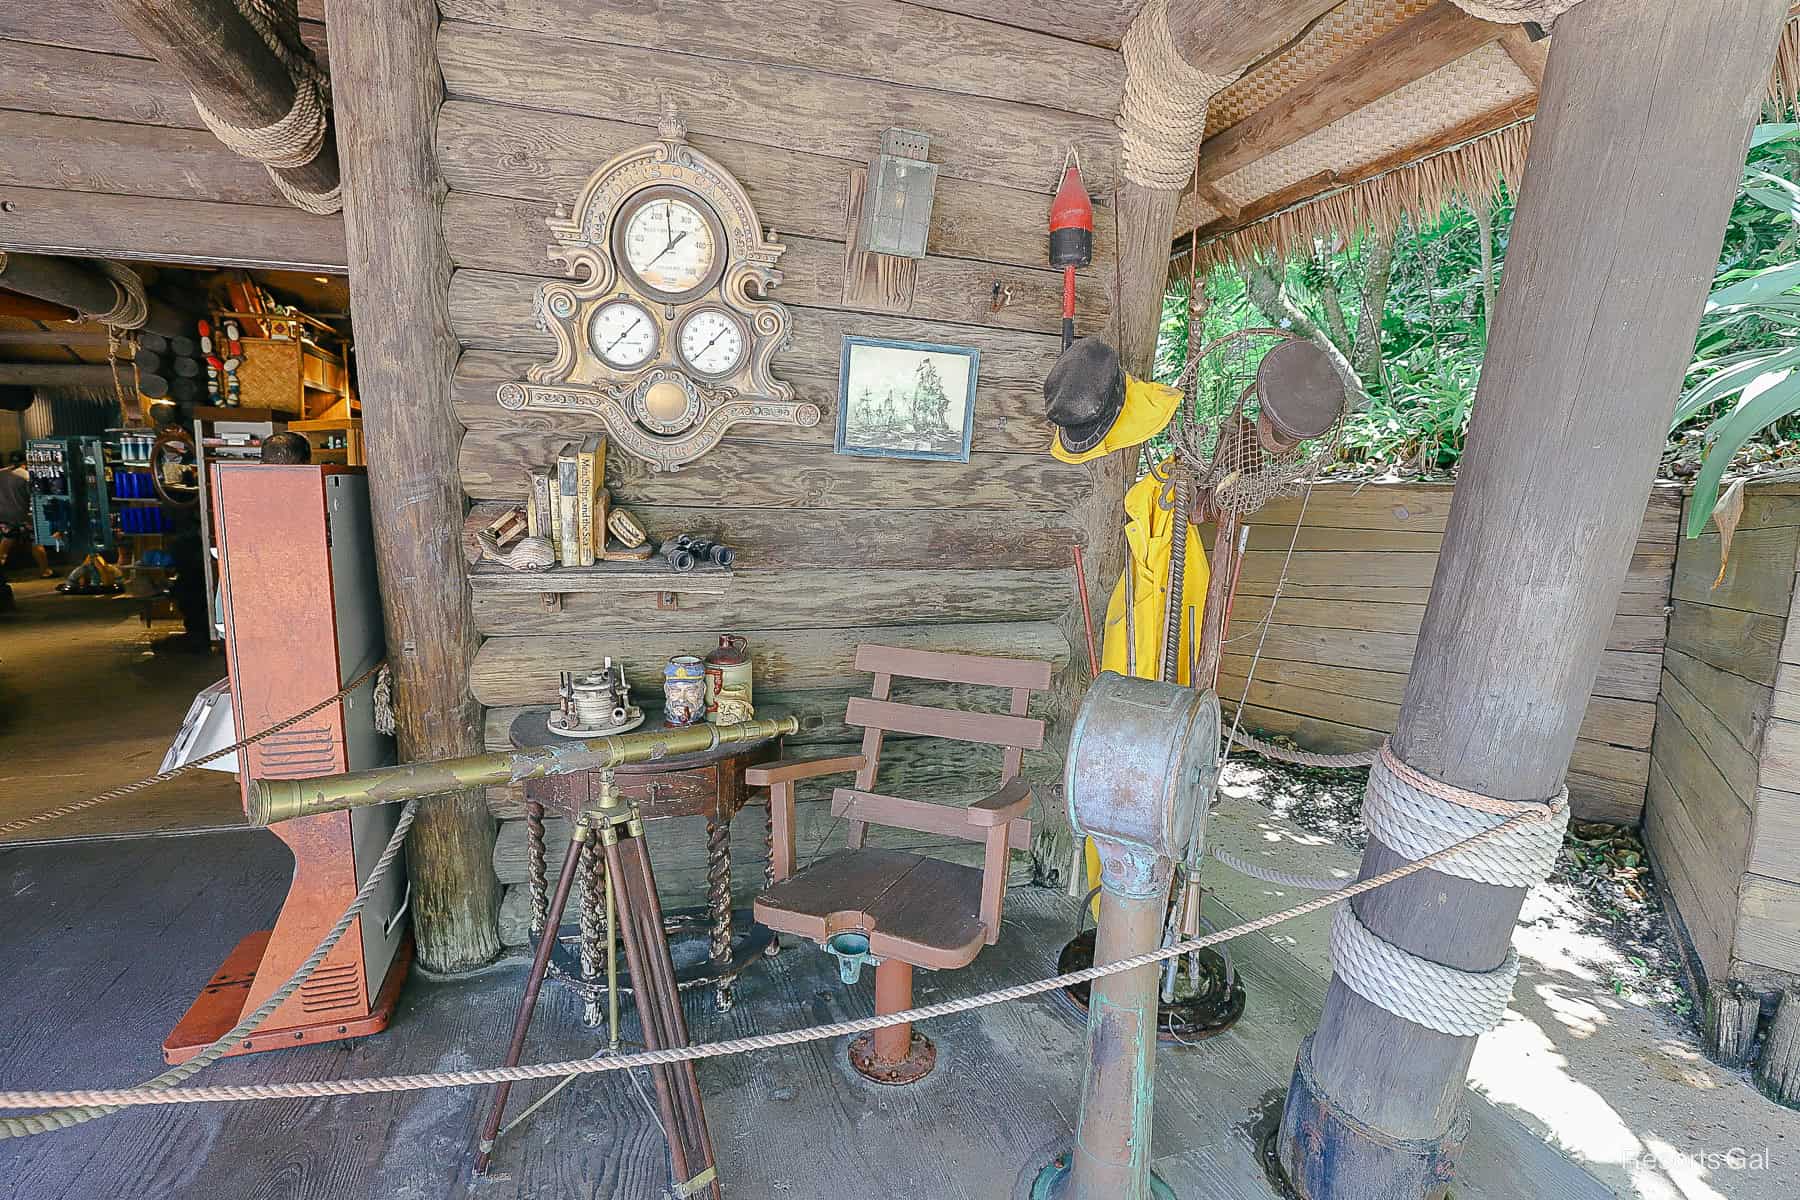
{"points": [[302, 618]]}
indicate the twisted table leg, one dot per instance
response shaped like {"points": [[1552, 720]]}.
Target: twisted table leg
{"points": [[718, 891], [535, 868], [774, 946], [593, 891]]}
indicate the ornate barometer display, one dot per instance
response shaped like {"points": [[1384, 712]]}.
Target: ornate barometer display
{"points": [[666, 330]]}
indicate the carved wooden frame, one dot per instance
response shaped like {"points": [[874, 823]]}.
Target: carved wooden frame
{"points": [[578, 379]]}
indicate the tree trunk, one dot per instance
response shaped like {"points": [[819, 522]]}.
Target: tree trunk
{"points": [[1483, 210], [1632, 171], [1378, 272], [387, 89], [1262, 282]]}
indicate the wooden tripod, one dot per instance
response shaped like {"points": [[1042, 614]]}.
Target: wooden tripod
{"points": [[620, 829]]}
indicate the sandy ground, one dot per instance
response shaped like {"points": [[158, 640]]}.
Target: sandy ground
{"points": [[1612, 1075], [88, 703]]}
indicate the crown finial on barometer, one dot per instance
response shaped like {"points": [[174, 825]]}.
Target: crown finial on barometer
{"points": [[672, 128]]}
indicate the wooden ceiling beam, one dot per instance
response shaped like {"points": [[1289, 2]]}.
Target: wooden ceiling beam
{"points": [[70, 283], [1226, 36], [53, 337], [1435, 38], [30, 308], [227, 65], [56, 375], [1529, 54]]}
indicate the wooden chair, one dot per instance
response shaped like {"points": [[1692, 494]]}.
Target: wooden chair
{"points": [[905, 910]]}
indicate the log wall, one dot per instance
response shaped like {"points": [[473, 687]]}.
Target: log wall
{"points": [[834, 550], [1334, 660], [102, 152], [1723, 819]]}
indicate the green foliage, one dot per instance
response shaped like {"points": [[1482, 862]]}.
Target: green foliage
{"points": [[1744, 381]]}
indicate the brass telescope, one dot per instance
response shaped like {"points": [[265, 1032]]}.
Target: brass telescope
{"points": [[272, 801]]}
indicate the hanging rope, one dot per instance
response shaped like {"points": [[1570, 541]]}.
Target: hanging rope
{"points": [[78, 1112], [1302, 758], [299, 135], [1162, 115], [130, 309], [194, 765]]}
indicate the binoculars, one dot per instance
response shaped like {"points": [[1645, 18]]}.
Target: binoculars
{"points": [[684, 552]]}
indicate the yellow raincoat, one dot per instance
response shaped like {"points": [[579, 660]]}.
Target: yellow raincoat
{"points": [[1149, 530]]}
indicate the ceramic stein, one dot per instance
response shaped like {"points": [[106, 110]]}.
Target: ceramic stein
{"points": [[684, 691], [733, 706]]}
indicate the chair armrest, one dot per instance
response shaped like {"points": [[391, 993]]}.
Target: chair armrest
{"points": [[1007, 804], [788, 770]]}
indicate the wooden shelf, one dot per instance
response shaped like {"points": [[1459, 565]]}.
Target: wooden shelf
{"points": [[651, 577]]}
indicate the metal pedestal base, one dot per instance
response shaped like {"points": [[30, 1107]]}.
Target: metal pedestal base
{"points": [[921, 1057], [1051, 1180], [1190, 1018]]}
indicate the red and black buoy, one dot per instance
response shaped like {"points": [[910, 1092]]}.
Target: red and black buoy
{"points": [[1071, 236]]}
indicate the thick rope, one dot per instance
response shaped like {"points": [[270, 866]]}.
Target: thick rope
{"points": [[131, 308], [298, 136], [1516, 12], [770, 1041], [194, 765], [1416, 815], [1459, 1003], [1162, 115], [1304, 883], [80, 1111], [1302, 758]]}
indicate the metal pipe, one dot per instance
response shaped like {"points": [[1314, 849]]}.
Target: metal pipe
{"points": [[272, 801], [1112, 1140], [893, 993]]}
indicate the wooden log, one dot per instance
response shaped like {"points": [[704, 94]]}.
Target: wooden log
{"points": [[1633, 124], [386, 89], [59, 375], [228, 66], [107, 87], [200, 232], [1732, 1012], [117, 156], [1778, 1071], [55, 337], [77, 285]]}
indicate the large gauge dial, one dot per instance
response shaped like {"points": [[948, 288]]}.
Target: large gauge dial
{"points": [[670, 244], [623, 334], [711, 342]]}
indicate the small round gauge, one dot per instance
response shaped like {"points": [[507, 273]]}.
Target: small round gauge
{"points": [[671, 243], [622, 334], [711, 342]]}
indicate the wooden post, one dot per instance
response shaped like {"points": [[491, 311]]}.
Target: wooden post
{"points": [[1778, 1072], [73, 284], [1633, 167], [227, 65], [387, 88]]}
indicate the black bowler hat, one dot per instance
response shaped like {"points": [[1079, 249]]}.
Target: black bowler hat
{"points": [[1084, 393]]}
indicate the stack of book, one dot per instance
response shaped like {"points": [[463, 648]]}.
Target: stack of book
{"points": [[569, 505]]}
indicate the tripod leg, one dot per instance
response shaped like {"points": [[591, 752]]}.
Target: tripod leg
{"points": [[684, 1082], [540, 963]]}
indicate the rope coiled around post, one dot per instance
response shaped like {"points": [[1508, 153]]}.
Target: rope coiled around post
{"points": [[1162, 115], [131, 307]]}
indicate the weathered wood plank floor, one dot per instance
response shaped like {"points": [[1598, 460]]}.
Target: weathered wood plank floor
{"points": [[105, 943]]}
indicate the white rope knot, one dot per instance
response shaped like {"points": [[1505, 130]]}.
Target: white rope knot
{"points": [[1459, 1003], [1162, 116], [299, 135], [1417, 815]]}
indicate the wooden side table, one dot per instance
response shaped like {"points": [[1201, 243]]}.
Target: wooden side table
{"points": [[707, 784]]}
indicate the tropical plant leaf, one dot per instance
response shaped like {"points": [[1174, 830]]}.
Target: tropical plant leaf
{"points": [[1762, 135], [1765, 284], [1734, 379], [1756, 411]]}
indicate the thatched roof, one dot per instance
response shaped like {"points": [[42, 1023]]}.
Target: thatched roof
{"points": [[1382, 109]]}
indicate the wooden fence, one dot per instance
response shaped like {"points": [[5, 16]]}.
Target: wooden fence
{"points": [[1334, 657]]}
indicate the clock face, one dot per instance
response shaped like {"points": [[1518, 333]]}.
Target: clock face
{"points": [[711, 342], [623, 334], [670, 245]]}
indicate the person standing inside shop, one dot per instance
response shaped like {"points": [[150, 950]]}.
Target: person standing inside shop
{"points": [[15, 515]]}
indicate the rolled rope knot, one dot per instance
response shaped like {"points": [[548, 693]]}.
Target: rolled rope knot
{"points": [[1417, 815], [1162, 115], [1516, 12], [299, 135], [131, 308]]}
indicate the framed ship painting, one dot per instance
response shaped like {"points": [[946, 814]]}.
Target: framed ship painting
{"points": [[906, 399]]}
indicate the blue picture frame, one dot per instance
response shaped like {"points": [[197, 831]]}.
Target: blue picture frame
{"points": [[899, 399]]}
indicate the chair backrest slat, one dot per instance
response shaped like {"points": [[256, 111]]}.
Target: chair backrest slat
{"points": [[994, 729], [1032, 674], [919, 815]]}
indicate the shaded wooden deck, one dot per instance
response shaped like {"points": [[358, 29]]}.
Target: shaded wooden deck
{"points": [[106, 942]]}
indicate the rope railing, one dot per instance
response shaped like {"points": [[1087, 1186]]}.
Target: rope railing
{"points": [[153, 1095]]}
